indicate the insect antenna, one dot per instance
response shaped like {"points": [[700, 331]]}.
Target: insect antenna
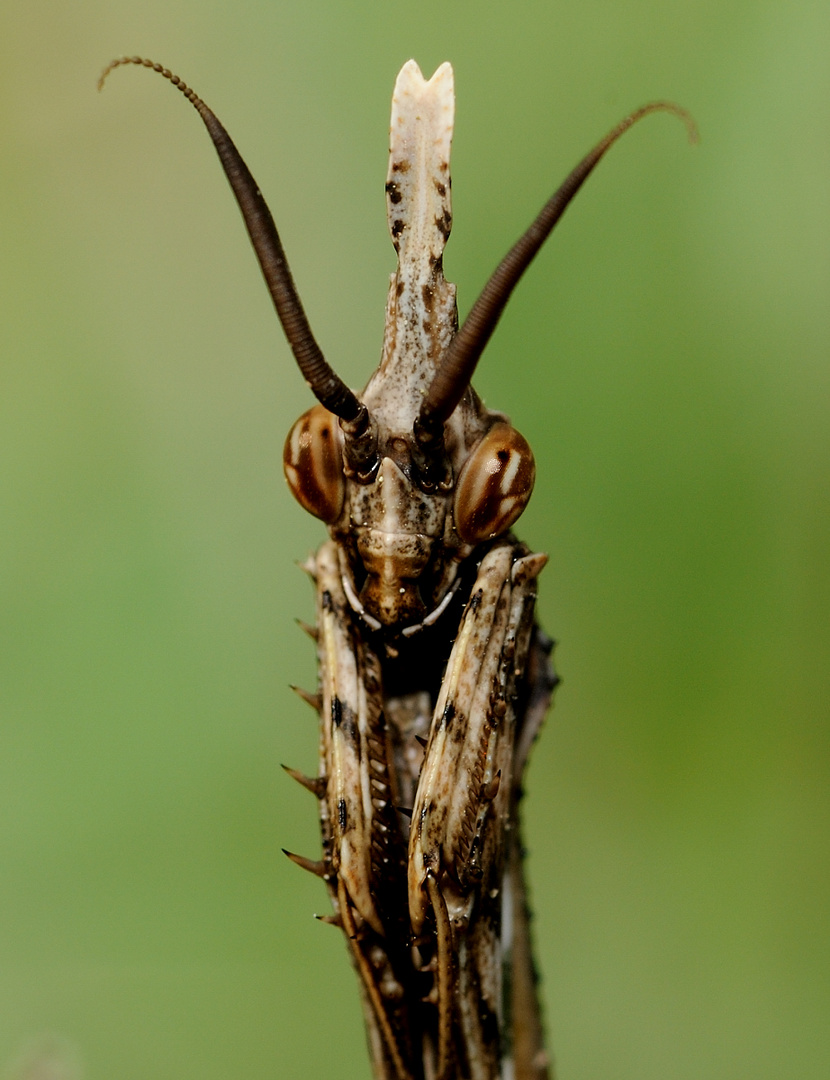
{"points": [[327, 386], [459, 361]]}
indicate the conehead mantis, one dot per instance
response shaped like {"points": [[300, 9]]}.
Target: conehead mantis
{"points": [[434, 677]]}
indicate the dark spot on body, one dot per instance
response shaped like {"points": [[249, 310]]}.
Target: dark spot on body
{"points": [[400, 166], [459, 731], [399, 288], [475, 601], [428, 296], [336, 711], [394, 192], [398, 227], [448, 714], [342, 814], [439, 187], [444, 224], [327, 602]]}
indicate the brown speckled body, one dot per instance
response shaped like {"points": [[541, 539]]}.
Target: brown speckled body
{"points": [[433, 677]]}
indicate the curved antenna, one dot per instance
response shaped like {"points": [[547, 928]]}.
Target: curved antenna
{"points": [[463, 352], [327, 386]]}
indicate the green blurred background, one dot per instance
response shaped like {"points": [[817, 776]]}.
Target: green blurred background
{"points": [[668, 359]]}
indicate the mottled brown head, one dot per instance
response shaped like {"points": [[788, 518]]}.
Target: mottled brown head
{"points": [[456, 475]]}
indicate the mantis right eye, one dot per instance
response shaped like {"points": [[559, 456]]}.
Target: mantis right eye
{"points": [[312, 460]]}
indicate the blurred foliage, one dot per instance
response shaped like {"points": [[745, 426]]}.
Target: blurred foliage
{"points": [[667, 357]]}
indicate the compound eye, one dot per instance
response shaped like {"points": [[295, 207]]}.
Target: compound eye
{"points": [[494, 485], [313, 463]]}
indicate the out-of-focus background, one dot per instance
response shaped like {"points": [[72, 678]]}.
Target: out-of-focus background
{"points": [[668, 358]]}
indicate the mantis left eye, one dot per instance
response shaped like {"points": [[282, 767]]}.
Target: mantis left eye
{"points": [[313, 463], [494, 485]]}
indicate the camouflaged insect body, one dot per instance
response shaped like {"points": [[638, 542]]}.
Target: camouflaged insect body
{"points": [[424, 639], [433, 676]]}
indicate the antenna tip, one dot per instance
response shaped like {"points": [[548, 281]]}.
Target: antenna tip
{"points": [[119, 62], [160, 69], [682, 114]]}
